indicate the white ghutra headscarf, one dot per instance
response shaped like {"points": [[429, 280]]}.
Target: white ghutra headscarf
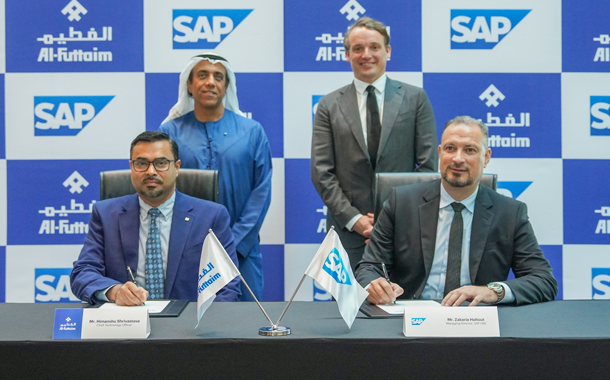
{"points": [[185, 102]]}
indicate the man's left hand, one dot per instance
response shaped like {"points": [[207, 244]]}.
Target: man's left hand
{"points": [[473, 294]]}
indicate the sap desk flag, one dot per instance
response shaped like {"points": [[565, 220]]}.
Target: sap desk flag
{"points": [[330, 267], [215, 271]]}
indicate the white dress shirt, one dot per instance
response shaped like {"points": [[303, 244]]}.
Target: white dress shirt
{"points": [[362, 96]]}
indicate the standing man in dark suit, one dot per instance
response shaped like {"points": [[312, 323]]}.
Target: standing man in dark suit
{"points": [[158, 233], [373, 125], [454, 239]]}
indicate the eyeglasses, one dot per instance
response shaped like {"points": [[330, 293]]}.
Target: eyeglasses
{"points": [[142, 164]]}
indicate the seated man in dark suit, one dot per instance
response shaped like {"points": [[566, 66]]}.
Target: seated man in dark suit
{"points": [[454, 239], [158, 233]]}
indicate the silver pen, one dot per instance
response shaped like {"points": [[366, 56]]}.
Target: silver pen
{"points": [[132, 278], [385, 274]]}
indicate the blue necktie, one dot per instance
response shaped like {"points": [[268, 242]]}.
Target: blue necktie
{"points": [[154, 259]]}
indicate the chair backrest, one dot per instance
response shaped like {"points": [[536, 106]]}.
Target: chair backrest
{"points": [[384, 182], [194, 182]]}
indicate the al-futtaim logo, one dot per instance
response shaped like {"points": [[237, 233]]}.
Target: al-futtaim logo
{"points": [[600, 115], [53, 285], [600, 283], [603, 224], [57, 218], [76, 182], [352, 10], [73, 10], [483, 28], [204, 28], [334, 266], [62, 53], [602, 54], [492, 97], [513, 189], [66, 115]]}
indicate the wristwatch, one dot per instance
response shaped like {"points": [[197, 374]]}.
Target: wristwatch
{"points": [[499, 289]]}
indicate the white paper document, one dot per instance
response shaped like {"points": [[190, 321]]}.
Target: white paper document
{"points": [[399, 307], [154, 307]]}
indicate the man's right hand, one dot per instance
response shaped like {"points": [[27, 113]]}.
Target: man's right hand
{"points": [[381, 292], [364, 225], [127, 294]]}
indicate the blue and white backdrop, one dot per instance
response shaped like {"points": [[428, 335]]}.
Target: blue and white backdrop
{"points": [[80, 78]]}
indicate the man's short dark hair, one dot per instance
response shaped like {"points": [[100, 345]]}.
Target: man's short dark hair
{"points": [[369, 23], [470, 121], [154, 136]]}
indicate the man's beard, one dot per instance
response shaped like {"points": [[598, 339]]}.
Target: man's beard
{"points": [[154, 192], [464, 180]]}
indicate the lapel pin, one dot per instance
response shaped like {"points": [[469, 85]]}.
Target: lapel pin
{"points": [[187, 219]]}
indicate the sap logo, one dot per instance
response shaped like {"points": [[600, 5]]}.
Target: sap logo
{"points": [[600, 115], [417, 321], [482, 28], [512, 189], [334, 266], [53, 285], [205, 28], [315, 99], [600, 282], [65, 115]]}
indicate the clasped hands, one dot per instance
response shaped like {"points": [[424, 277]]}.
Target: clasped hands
{"points": [[364, 225]]}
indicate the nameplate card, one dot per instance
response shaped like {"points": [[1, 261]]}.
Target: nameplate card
{"points": [[129, 322], [481, 321]]}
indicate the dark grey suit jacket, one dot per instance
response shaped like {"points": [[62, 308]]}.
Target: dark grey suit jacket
{"points": [[502, 238], [341, 170]]}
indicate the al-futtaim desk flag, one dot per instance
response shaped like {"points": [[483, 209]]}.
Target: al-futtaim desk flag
{"points": [[331, 268], [216, 270]]}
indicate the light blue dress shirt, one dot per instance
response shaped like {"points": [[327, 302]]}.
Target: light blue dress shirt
{"points": [[164, 223], [435, 286]]}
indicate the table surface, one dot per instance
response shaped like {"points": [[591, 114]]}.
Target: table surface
{"points": [[311, 320]]}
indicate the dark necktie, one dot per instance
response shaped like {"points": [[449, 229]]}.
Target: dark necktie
{"points": [[373, 124], [454, 259], [155, 284]]}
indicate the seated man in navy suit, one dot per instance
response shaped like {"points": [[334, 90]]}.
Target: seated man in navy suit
{"points": [[157, 233], [454, 239]]}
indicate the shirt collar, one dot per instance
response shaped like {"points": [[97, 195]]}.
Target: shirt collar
{"points": [[447, 199], [379, 84], [166, 207]]}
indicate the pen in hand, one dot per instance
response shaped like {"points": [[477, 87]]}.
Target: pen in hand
{"points": [[132, 278], [385, 274]]}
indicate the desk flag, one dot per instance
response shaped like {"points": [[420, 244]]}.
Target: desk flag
{"points": [[331, 268], [216, 270]]}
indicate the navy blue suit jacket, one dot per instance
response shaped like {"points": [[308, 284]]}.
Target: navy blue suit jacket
{"points": [[112, 244]]}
